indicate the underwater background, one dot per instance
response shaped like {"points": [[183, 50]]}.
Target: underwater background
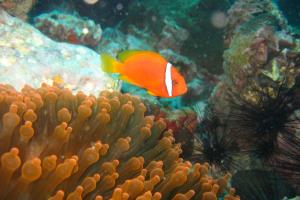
{"points": [[71, 130]]}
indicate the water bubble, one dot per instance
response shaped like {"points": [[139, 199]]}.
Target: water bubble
{"points": [[154, 18], [85, 31], [119, 6], [219, 19], [90, 1]]}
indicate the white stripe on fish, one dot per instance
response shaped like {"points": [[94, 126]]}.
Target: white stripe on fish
{"points": [[168, 79]]}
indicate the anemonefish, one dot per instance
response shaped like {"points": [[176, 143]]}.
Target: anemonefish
{"points": [[148, 70]]}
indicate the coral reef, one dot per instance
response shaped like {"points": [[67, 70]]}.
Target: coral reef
{"points": [[114, 41], [56, 144], [69, 28], [258, 43], [172, 37], [256, 103], [243, 11], [18, 8], [168, 42], [263, 54], [29, 57]]}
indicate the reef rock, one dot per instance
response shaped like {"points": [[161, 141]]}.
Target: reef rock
{"points": [[29, 57], [69, 28], [114, 41], [172, 36], [18, 8]]}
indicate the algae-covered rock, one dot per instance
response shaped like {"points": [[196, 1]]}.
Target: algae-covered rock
{"points": [[114, 41], [261, 49], [263, 54], [258, 96], [29, 57]]}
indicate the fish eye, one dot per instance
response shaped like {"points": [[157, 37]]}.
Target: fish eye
{"points": [[174, 82]]}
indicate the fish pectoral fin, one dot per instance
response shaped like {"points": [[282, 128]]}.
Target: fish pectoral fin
{"points": [[126, 54], [126, 79], [109, 64]]}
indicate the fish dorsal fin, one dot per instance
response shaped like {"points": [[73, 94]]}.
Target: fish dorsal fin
{"points": [[126, 54]]}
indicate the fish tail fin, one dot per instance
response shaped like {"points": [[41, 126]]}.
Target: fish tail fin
{"points": [[109, 64]]}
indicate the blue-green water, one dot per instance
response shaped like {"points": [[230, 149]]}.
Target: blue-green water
{"points": [[241, 64]]}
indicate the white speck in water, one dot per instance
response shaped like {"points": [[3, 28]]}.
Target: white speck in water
{"points": [[219, 19], [85, 31], [90, 1], [119, 6], [154, 18]]}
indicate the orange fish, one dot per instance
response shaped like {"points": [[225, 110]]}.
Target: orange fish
{"points": [[148, 70]]}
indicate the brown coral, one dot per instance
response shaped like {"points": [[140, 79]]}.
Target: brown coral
{"points": [[243, 11], [18, 8], [54, 144], [69, 28]]}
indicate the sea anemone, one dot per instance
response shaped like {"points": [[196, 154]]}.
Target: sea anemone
{"points": [[55, 144]]}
